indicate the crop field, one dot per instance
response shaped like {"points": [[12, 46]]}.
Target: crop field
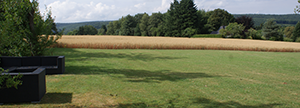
{"points": [[132, 42]]}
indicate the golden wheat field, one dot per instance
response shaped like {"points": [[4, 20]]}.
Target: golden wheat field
{"points": [[134, 42]]}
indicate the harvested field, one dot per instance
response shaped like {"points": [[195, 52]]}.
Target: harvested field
{"points": [[133, 42]]}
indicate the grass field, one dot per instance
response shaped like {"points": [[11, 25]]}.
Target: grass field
{"points": [[173, 79], [132, 42]]}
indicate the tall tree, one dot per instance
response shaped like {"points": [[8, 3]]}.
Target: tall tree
{"points": [[246, 21], [128, 25], [154, 20], [110, 29], [117, 26], [144, 25], [188, 14], [296, 33], [23, 32], [173, 20], [220, 17], [26, 32], [137, 31], [271, 30]]}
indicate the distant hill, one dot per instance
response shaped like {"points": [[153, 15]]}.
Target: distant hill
{"points": [[72, 26], [287, 20]]}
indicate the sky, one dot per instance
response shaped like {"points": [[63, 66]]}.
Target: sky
{"points": [[69, 11]]}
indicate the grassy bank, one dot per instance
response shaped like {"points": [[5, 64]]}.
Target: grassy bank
{"points": [[173, 78]]}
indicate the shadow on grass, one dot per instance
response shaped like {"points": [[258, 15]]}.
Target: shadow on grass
{"points": [[57, 98], [137, 75], [74, 55], [199, 102], [207, 103]]}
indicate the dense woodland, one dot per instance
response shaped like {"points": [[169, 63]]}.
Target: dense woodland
{"points": [[284, 20], [183, 19]]}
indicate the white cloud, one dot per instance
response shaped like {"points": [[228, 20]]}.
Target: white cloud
{"points": [[69, 11], [99, 10], [210, 4], [140, 5], [165, 5]]}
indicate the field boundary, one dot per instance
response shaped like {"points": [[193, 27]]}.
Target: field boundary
{"points": [[168, 47], [173, 43]]}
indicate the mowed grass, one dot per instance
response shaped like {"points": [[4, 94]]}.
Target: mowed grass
{"points": [[137, 42], [173, 79]]}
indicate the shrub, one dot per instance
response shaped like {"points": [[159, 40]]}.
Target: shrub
{"points": [[297, 40], [253, 34], [288, 39], [7, 81], [233, 29], [189, 32]]}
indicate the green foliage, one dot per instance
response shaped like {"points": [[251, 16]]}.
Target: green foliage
{"points": [[7, 81], [128, 25], [74, 32], [253, 34], [181, 16], [203, 27], [207, 36], [26, 32], [296, 33], [288, 39], [189, 32], [101, 31], [144, 25], [288, 31], [110, 29], [137, 31], [297, 9], [220, 17], [288, 19], [246, 21], [75, 26], [271, 31], [233, 30], [297, 40], [87, 30], [155, 20]]}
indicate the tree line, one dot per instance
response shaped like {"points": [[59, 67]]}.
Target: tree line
{"points": [[183, 19]]}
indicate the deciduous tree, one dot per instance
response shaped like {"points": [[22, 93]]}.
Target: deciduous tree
{"points": [[246, 21], [220, 17], [144, 25], [25, 30], [288, 31]]}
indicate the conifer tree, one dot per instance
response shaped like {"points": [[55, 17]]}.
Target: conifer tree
{"points": [[188, 14], [296, 34], [270, 30]]}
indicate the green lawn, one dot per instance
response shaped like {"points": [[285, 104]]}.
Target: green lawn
{"points": [[173, 78]]}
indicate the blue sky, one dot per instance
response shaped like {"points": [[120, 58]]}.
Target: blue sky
{"points": [[66, 11]]}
